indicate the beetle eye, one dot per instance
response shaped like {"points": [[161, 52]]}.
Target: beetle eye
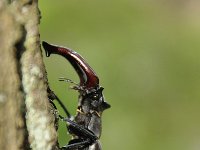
{"points": [[95, 96]]}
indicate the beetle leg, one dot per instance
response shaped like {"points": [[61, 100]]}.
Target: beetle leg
{"points": [[77, 144], [86, 136], [79, 130], [63, 106], [52, 96]]}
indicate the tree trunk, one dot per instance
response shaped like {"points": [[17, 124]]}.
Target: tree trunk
{"points": [[27, 119]]}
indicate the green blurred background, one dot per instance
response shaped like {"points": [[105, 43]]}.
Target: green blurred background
{"points": [[147, 55]]}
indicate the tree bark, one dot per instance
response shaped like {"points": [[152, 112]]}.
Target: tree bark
{"points": [[27, 118]]}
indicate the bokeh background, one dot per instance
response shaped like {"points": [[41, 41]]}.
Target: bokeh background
{"points": [[147, 55]]}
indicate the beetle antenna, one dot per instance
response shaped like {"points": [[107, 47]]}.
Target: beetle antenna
{"points": [[67, 80], [76, 86]]}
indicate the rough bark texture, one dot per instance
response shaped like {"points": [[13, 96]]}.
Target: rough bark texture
{"points": [[27, 119]]}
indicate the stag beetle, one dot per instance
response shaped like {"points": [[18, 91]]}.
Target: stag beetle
{"points": [[86, 125]]}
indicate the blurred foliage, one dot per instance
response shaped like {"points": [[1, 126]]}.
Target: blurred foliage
{"points": [[147, 56]]}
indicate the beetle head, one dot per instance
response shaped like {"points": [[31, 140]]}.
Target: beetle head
{"points": [[94, 99]]}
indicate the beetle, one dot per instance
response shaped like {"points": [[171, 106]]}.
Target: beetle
{"points": [[86, 126]]}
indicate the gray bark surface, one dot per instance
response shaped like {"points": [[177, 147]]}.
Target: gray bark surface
{"points": [[27, 120]]}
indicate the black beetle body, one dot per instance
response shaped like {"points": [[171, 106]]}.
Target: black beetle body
{"points": [[86, 126]]}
